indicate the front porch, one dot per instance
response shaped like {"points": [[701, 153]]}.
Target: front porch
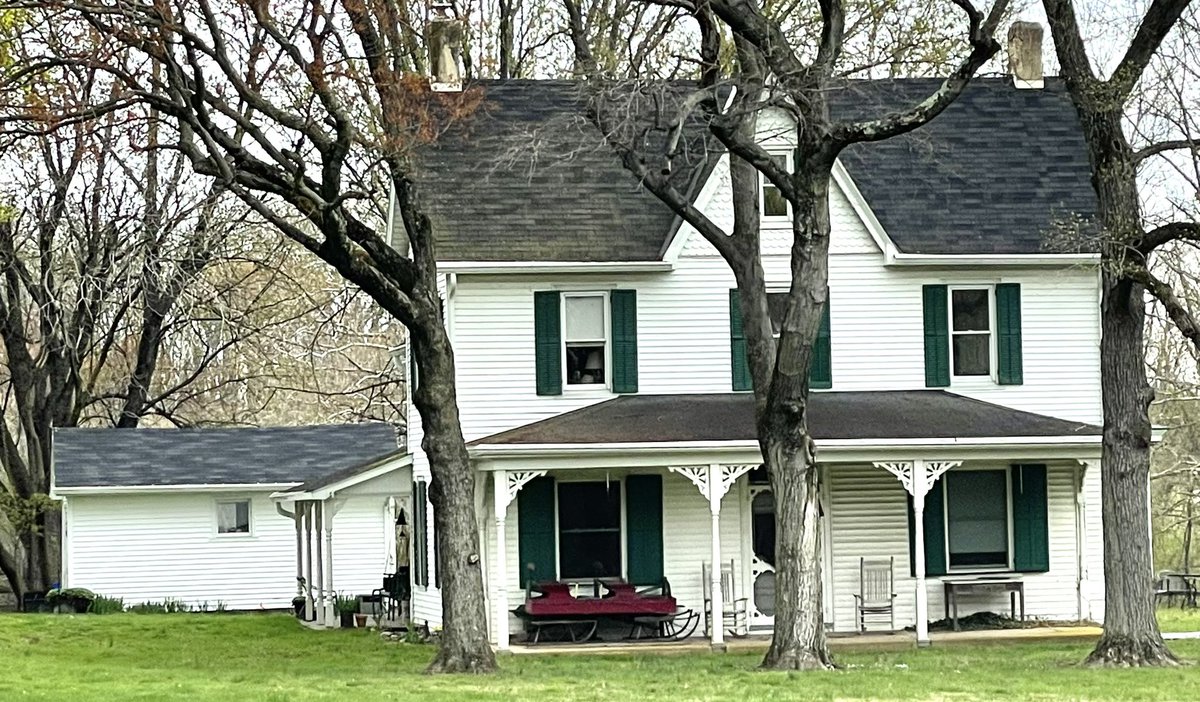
{"points": [[710, 503]]}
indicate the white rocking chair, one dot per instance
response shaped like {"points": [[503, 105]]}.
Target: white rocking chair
{"points": [[734, 609], [876, 592]]}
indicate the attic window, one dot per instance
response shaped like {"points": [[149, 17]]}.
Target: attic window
{"points": [[233, 517], [774, 205]]}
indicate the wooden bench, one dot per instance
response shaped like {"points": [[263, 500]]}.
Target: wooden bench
{"points": [[984, 584]]}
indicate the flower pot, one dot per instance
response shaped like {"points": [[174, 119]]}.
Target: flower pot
{"points": [[360, 620], [347, 619]]}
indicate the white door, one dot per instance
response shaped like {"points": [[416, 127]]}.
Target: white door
{"points": [[762, 560]]}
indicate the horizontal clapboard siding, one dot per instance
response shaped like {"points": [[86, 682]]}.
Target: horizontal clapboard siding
{"points": [[869, 520], [152, 547]]}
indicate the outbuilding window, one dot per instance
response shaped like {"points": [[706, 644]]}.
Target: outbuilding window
{"points": [[233, 517]]}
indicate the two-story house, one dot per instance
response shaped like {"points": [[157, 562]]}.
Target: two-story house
{"points": [[605, 398]]}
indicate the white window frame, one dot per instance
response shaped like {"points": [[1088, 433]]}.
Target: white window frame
{"points": [[217, 518], [623, 536], [774, 220], [990, 291], [607, 340], [1009, 566]]}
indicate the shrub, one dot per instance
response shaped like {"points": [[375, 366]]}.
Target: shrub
{"points": [[107, 605], [346, 605], [77, 598]]}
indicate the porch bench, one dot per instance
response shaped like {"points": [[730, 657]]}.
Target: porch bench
{"points": [[986, 584]]}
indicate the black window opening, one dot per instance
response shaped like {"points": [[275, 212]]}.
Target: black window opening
{"points": [[762, 527], [977, 518], [589, 529]]}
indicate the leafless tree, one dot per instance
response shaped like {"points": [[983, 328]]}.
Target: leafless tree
{"points": [[792, 75], [1131, 635]]}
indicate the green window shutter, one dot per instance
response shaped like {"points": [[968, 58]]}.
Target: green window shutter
{"points": [[937, 337], [644, 529], [737, 344], [547, 335], [935, 532], [820, 371], [536, 542], [624, 340], [420, 535], [1031, 534], [1008, 334]]}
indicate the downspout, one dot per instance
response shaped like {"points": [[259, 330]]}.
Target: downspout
{"points": [[294, 516], [62, 543]]}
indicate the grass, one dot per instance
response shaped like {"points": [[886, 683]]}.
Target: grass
{"points": [[272, 658], [1177, 619]]}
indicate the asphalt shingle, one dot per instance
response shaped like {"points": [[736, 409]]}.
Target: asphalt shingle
{"points": [[529, 179], [105, 457]]}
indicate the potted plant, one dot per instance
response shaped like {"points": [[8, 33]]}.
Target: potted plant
{"points": [[347, 607]]}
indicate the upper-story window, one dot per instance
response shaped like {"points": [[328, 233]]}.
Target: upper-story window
{"points": [[585, 338], [971, 331], [973, 334], [774, 204]]}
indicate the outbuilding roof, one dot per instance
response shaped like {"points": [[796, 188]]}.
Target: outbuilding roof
{"points": [[528, 178], [729, 417], [106, 457]]}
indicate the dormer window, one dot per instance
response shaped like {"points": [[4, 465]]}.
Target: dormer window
{"points": [[585, 338], [774, 205]]}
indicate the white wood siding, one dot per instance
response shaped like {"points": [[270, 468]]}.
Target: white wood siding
{"points": [[869, 518], [152, 547]]}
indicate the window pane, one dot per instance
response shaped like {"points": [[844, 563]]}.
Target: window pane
{"points": [[589, 529], [971, 312], [777, 306], [774, 204], [233, 517], [585, 318], [585, 364], [972, 354], [977, 517]]}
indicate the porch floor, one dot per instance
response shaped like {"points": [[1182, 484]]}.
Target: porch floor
{"points": [[754, 642]]}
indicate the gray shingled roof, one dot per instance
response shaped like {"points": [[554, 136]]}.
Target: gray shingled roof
{"points": [[529, 180], [884, 415], [95, 457]]}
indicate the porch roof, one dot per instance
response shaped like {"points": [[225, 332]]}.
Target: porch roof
{"points": [[729, 417]]}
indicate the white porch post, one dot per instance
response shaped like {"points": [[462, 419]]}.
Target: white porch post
{"points": [[327, 515], [918, 494], [500, 500], [713, 481], [918, 478], [322, 596], [309, 603], [298, 517], [718, 597], [505, 486]]}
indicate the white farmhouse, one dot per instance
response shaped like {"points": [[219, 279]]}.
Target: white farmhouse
{"points": [[604, 392]]}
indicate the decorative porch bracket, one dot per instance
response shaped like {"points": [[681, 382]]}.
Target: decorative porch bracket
{"points": [[506, 485], [714, 482], [918, 478]]}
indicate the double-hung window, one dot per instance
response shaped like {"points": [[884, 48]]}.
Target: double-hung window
{"points": [[589, 529], [585, 338], [971, 331], [977, 519]]}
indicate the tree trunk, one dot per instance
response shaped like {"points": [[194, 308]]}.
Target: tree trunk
{"points": [[464, 644], [799, 641], [1131, 636]]}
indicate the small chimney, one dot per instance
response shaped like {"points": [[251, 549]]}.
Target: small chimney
{"points": [[444, 37], [1025, 54]]}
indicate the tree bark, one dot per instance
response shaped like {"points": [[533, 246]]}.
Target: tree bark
{"points": [[464, 644], [799, 641]]}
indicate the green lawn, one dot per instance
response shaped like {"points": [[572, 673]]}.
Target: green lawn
{"points": [[270, 657], [1176, 619]]}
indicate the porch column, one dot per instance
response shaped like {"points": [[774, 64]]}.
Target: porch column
{"points": [[328, 512], [322, 596], [309, 603], [918, 477], [298, 517], [505, 486], [714, 481]]}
